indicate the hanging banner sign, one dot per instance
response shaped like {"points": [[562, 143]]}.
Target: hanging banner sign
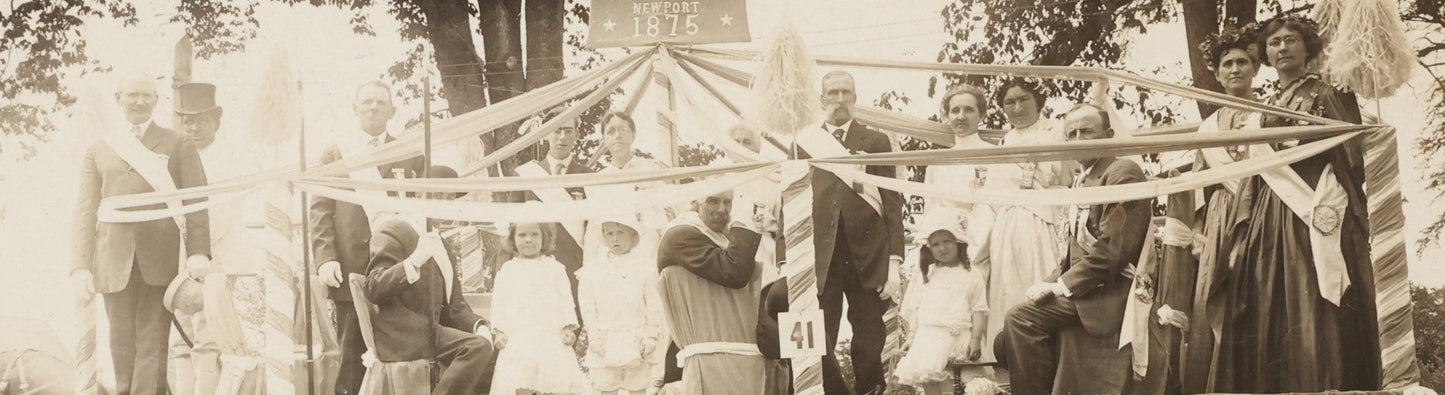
{"points": [[623, 23]]}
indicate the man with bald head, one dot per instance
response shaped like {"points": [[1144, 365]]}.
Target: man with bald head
{"points": [[341, 231], [1090, 287], [858, 240], [131, 263]]}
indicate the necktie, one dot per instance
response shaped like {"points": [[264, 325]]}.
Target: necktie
{"points": [[135, 130], [838, 134], [558, 169]]}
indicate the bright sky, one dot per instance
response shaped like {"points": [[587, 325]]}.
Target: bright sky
{"points": [[38, 195]]}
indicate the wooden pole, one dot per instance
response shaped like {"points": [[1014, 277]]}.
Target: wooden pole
{"points": [[662, 67], [306, 264]]}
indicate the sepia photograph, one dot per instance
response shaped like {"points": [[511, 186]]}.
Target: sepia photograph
{"points": [[722, 197]]}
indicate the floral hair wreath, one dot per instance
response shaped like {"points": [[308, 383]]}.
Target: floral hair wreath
{"points": [[1239, 37]]}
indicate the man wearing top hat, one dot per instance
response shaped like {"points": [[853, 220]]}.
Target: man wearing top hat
{"points": [[194, 364], [200, 117]]}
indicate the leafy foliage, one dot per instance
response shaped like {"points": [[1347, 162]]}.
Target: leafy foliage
{"points": [[1429, 313], [1065, 33], [42, 44], [219, 27]]}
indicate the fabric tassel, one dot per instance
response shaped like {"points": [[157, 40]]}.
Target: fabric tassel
{"points": [[784, 89], [278, 109], [1368, 52]]}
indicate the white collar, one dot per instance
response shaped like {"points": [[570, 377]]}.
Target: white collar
{"points": [[553, 162], [1084, 173], [845, 126], [144, 127], [367, 138]]}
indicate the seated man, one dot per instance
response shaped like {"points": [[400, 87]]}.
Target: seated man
{"points": [[1090, 288], [421, 310]]}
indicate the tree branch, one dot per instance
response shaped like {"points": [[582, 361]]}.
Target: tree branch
{"points": [[1435, 46]]}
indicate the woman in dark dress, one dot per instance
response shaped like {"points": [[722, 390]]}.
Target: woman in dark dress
{"points": [[1283, 333]]}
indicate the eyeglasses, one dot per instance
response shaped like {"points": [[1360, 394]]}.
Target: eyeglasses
{"points": [[1283, 41]]}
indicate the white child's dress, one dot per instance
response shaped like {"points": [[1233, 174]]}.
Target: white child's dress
{"points": [[531, 303], [622, 310], [940, 317]]}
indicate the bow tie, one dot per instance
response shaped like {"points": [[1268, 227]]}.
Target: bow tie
{"points": [[839, 133]]}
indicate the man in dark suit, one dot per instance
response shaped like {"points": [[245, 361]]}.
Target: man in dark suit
{"points": [[859, 247], [131, 263], [1090, 287], [414, 297], [341, 231]]}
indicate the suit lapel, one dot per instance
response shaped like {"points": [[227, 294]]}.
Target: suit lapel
{"points": [[385, 168], [854, 139], [1093, 179], [152, 137]]}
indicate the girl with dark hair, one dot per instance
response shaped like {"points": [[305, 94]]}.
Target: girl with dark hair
{"points": [[945, 308], [1301, 312], [534, 324]]}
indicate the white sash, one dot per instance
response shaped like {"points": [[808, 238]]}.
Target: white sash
{"points": [[551, 195], [152, 166], [1217, 156], [1135, 329], [745, 349], [821, 144], [1322, 209]]}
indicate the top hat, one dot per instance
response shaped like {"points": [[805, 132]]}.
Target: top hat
{"points": [[196, 98]]}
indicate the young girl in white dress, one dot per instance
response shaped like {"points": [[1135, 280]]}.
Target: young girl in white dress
{"points": [[945, 308], [533, 321], [623, 313]]}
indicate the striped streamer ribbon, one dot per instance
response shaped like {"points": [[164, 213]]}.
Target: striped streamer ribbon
{"points": [[893, 338], [1387, 254], [802, 279], [85, 362], [280, 300]]}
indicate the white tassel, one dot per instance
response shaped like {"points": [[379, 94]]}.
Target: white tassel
{"points": [[278, 109], [1369, 52], [785, 92]]}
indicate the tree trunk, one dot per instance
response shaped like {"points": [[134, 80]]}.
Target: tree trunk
{"points": [[544, 42], [448, 30], [499, 23], [1240, 12], [1200, 20], [501, 29]]}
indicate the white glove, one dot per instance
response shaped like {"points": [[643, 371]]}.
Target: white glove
{"points": [[1170, 317], [330, 273], [83, 283], [1040, 291], [198, 266], [428, 246], [485, 332]]}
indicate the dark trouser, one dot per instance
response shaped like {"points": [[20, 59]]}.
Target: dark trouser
{"points": [[1031, 330], [140, 328], [348, 329], [865, 313], [465, 355]]}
